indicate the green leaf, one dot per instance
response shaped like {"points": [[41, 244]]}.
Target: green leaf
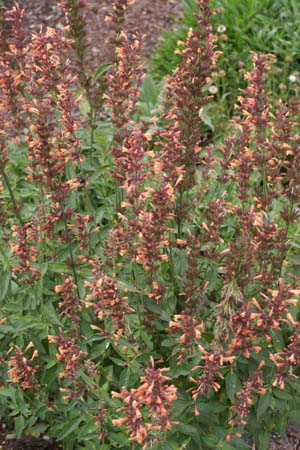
{"points": [[169, 446], [124, 377], [231, 381], [44, 269], [206, 118], [4, 283], [69, 428], [8, 392], [210, 408], [278, 340], [117, 361], [262, 440], [263, 404], [149, 90], [210, 440], [281, 423], [283, 395], [19, 426], [101, 71], [52, 362], [188, 430], [185, 444], [226, 446], [87, 430], [120, 438], [50, 313], [39, 428], [59, 267], [21, 402], [147, 339], [295, 414], [127, 286], [180, 406], [98, 173]]}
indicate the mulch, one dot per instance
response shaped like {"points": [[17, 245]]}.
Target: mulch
{"points": [[9, 442], [290, 442], [148, 18]]}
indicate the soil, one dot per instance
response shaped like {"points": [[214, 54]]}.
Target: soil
{"points": [[290, 442], [9, 442], [148, 18]]}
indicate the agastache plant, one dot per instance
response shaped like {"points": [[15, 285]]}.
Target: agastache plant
{"points": [[158, 246]]}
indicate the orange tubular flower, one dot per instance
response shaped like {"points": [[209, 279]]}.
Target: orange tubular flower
{"points": [[22, 369], [153, 394]]}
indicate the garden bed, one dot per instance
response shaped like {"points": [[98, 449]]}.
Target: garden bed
{"points": [[149, 19], [146, 18]]}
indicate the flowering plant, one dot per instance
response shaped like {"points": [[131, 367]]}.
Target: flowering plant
{"points": [[149, 280]]}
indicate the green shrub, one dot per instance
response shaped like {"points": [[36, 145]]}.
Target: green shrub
{"points": [[266, 26]]}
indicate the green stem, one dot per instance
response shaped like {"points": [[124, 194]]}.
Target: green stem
{"points": [[139, 296], [71, 256], [41, 241], [92, 121], [179, 221], [172, 270], [12, 197], [119, 196], [265, 186]]}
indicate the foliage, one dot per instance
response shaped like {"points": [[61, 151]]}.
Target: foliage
{"points": [[149, 282], [252, 25]]}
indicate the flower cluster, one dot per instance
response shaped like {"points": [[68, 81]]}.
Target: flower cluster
{"points": [[143, 210], [190, 331], [252, 387], [82, 230], [70, 354], [287, 360], [106, 298], [13, 42], [24, 249], [153, 394], [71, 303], [213, 362], [22, 368], [75, 24], [181, 137], [123, 92], [117, 17], [51, 141]]}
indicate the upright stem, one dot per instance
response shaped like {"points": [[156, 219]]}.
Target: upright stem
{"points": [[172, 270], [139, 296], [179, 220], [71, 256], [92, 124], [12, 197]]}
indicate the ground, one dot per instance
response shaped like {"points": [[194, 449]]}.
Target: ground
{"points": [[148, 18]]}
